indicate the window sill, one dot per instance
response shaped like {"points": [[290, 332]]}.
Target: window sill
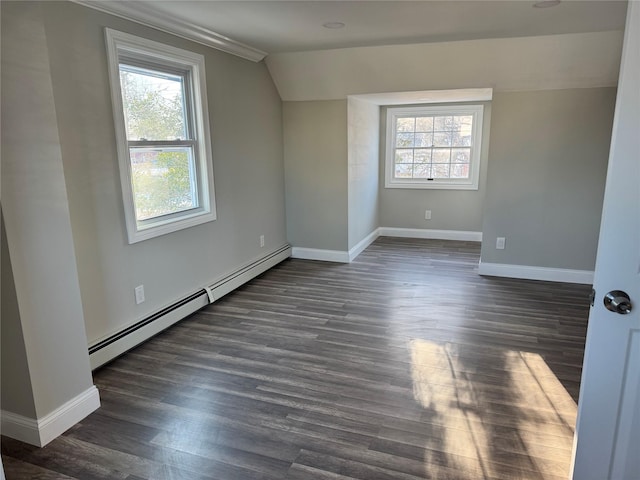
{"points": [[146, 232], [432, 185]]}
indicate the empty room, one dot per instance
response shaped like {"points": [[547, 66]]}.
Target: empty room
{"points": [[320, 240]]}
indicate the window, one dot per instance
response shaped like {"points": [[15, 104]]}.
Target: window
{"points": [[162, 131], [434, 147]]}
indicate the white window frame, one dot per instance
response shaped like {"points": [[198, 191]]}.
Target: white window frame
{"points": [[120, 44], [471, 183]]}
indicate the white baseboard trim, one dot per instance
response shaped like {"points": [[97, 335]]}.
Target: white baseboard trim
{"points": [[363, 244], [536, 273], [341, 256], [430, 234], [338, 256], [41, 431], [107, 348]]}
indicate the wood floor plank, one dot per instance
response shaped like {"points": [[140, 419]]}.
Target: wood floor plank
{"points": [[404, 364], [20, 469]]}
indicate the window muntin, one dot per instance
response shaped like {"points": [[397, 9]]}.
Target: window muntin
{"points": [[161, 120], [433, 147]]}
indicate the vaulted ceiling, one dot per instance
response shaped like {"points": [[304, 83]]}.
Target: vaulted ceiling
{"points": [[293, 26], [392, 46]]}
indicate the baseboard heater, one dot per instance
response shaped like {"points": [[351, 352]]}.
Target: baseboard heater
{"points": [[120, 342]]}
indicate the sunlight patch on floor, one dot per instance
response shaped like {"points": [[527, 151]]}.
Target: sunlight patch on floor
{"points": [[504, 404]]}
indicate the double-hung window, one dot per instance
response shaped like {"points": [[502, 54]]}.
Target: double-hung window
{"points": [[434, 147], [162, 130]]}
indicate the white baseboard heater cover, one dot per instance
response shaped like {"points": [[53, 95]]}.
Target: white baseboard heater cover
{"points": [[120, 342]]}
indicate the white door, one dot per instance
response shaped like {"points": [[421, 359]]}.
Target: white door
{"points": [[608, 428]]}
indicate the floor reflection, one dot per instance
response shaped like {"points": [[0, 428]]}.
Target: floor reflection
{"points": [[498, 413]]}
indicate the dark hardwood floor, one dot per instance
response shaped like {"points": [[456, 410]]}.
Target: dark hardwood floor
{"points": [[404, 364]]}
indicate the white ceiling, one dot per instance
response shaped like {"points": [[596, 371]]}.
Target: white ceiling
{"points": [[293, 26]]}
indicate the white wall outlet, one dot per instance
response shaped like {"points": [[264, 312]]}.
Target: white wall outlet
{"points": [[139, 294], [427, 214], [261, 241], [500, 243]]}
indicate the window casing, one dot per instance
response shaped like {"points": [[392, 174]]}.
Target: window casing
{"points": [[162, 132], [433, 147]]}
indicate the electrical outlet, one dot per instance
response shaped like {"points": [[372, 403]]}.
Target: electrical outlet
{"points": [[139, 294], [500, 243], [261, 241], [427, 214]]}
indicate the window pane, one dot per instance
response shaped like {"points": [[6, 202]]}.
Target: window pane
{"points": [[422, 155], [404, 156], [403, 171], [441, 155], [405, 124], [458, 140], [424, 139], [463, 124], [424, 124], [442, 124], [460, 170], [460, 155], [163, 181], [440, 171], [421, 171], [404, 140], [153, 103], [463, 130], [442, 139]]}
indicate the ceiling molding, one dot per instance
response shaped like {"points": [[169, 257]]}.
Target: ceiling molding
{"points": [[144, 15]]}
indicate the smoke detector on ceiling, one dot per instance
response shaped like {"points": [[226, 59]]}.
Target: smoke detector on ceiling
{"points": [[546, 3], [333, 25]]}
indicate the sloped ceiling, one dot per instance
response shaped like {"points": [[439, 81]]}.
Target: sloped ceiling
{"points": [[388, 46], [575, 60], [294, 26]]}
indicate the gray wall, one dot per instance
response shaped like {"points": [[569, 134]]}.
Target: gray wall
{"points": [[548, 160], [17, 395], [363, 158], [38, 227], [315, 158], [450, 209], [246, 119], [72, 266]]}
